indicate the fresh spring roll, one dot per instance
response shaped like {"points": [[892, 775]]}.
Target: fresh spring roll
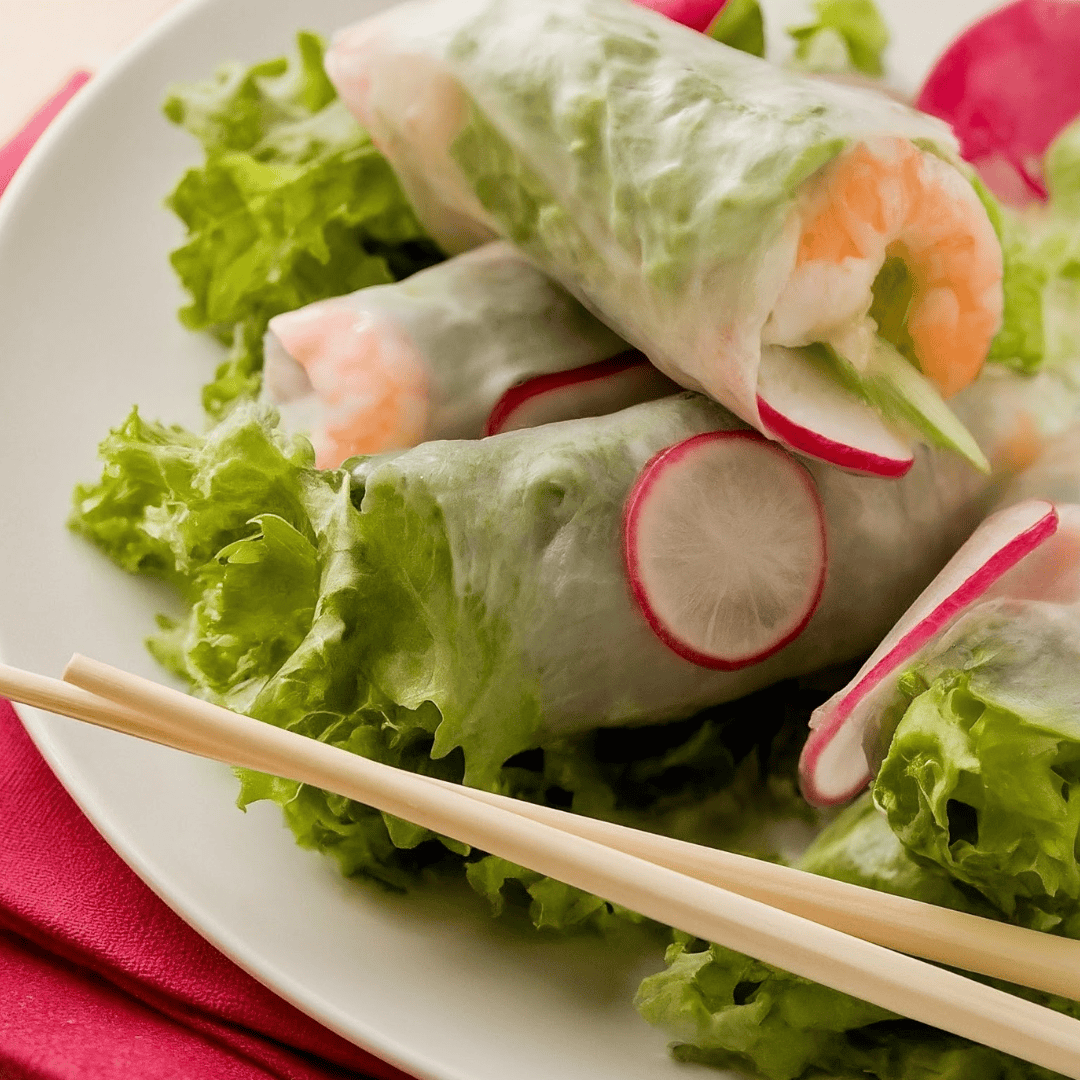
{"points": [[501, 569], [1027, 553], [432, 356], [977, 740], [480, 591], [719, 213]]}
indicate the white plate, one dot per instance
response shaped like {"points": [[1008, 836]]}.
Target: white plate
{"points": [[87, 328]]}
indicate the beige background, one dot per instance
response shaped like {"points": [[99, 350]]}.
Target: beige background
{"points": [[43, 41]]}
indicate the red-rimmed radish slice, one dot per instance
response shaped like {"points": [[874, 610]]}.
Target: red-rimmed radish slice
{"points": [[592, 390], [834, 767], [807, 410], [1052, 571], [1008, 85], [696, 14], [724, 538]]}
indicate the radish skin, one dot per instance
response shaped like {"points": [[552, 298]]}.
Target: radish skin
{"points": [[833, 768], [812, 414], [746, 450], [603, 387], [696, 14], [842, 455], [1005, 123]]}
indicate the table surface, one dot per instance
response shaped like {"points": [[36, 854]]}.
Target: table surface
{"points": [[44, 41]]}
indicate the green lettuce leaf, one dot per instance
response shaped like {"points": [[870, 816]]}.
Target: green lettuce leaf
{"points": [[1021, 341], [859, 847], [847, 35], [1062, 171], [741, 26], [982, 776], [295, 619], [1042, 266], [728, 1010], [164, 506], [292, 204]]}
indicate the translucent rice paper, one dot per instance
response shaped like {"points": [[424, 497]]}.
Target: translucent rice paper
{"points": [[648, 168], [546, 637], [469, 329], [1030, 427]]}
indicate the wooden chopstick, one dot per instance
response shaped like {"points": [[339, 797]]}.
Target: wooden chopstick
{"points": [[891, 980], [1001, 950], [998, 949]]}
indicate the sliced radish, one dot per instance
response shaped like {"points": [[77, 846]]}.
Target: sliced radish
{"points": [[1052, 571], [724, 539], [834, 766], [592, 390], [1008, 85], [807, 409], [696, 14]]}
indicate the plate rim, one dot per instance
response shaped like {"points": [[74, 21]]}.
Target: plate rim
{"points": [[43, 728]]}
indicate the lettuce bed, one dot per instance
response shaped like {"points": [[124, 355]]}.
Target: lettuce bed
{"points": [[292, 204], [287, 621]]}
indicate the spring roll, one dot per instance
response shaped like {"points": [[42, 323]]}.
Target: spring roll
{"points": [[720, 214], [503, 561], [1028, 550], [979, 740], [480, 589], [430, 357]]}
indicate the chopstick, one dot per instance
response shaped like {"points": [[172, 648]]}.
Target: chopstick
{"points": [[1001, 950], [891, 980], [998, 949], [986, 946]]}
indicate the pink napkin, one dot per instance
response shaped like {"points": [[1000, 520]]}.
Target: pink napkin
{"points": [[99, 980]]}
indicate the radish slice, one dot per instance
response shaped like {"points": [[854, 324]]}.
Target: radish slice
{"points": [[1052, 571], [1008, 85], [725, 548], [593, 390], [834, 767], [696, 14], [805, 409]]}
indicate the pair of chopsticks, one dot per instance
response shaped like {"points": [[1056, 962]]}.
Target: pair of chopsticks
{"points": [[837, 934]]}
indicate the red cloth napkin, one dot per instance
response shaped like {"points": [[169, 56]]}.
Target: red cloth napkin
{"points": [[99, 980]]}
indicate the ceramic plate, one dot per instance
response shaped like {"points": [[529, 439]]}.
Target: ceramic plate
{"points": [[87, 328]]}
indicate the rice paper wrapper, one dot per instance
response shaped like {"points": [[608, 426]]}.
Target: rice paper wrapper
{"points": [[650, 169], [516, 615], [472, 327], [502, 565]]}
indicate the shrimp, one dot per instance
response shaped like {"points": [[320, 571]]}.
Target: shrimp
{"points": [[352, 383], [884, 199]]}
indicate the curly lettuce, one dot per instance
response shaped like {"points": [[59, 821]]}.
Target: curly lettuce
{"points": [[847, 35], [982, 777], [292, 204], [725, 1009], [740, 25], [1042, 267], [294, 620]]}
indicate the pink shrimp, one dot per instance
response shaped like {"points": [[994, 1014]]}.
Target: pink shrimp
{"points": [[366, 388], [887, 198]]}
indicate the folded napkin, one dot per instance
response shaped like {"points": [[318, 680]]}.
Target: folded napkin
{"points": [[99, 980]]}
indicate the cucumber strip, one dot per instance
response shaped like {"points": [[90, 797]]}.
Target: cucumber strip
{"points": [[902, 393]]}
